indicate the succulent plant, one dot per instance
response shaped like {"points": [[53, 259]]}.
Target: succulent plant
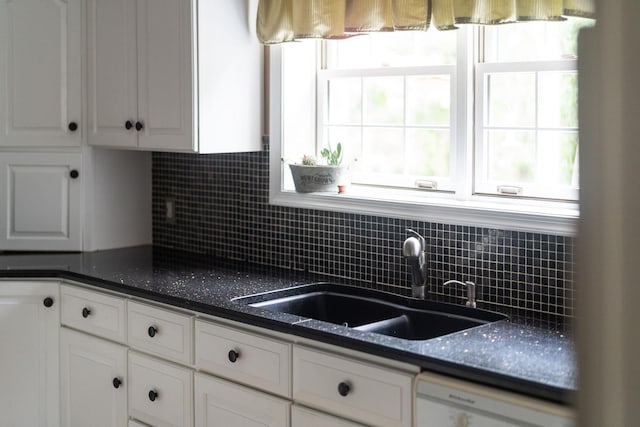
{"points": [[309, 160], [333, 157]]}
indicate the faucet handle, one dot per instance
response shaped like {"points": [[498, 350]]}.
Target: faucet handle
{"points": [[423, 243]]}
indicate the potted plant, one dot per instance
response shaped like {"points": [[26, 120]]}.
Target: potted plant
{"points": [[309, 176]]}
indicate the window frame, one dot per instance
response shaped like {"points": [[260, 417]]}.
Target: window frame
{"points": [[462, 207]]}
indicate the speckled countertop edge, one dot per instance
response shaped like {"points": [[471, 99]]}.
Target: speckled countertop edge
{"points": [[521, 358]]}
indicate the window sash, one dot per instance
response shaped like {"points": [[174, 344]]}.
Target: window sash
{"points": [[444, 183], [484, 185]]}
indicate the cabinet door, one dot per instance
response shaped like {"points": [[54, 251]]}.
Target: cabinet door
{"points": [[40, 73], [41, 200], [160, 393], [29, 333], [94, 383], [220, 403], [165, 83], [112, 73]]}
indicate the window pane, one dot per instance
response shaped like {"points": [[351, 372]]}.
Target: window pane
{"points": [[511, 99], [382, 150], [557, 158], [383, 100], [558, 99], [428, 152], [349, 137], [399, 49], [511, 156], [533, 41], [344, 103], [429, 100]]}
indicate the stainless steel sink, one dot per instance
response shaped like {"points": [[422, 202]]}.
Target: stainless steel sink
{"points": [[372, 311]]}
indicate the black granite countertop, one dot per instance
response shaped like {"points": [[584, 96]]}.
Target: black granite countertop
{"points": [[508, 355]]}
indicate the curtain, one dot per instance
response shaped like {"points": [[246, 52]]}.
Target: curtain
{"points": [[288, 20]]}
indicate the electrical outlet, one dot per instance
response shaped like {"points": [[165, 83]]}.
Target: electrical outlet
{"points": [[170, 210]]}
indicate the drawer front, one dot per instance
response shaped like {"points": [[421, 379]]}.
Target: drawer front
{"points": [[94, 312], [222, 403], [160, 393], [305, 417], [260, 362], [360, 391], [161, 332]]}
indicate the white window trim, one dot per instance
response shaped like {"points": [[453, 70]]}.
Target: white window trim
{"points": [[517, 214]]}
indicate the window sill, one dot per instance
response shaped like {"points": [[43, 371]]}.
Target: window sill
{"points": [[526, 215]]}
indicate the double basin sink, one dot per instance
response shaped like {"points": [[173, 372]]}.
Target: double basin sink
{"points": [[372, 311]]}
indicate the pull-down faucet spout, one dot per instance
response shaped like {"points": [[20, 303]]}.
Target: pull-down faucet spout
{"points": [[414, 250]]}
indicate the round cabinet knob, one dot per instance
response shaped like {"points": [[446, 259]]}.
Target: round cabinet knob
{"points": [[344, 388], [117, 382], [152, 331], [128, 125], [48, 302], [74, 173], [86, 312], [73, 126], [139, 126], [153, 395], [233, 356], [462, 420]]}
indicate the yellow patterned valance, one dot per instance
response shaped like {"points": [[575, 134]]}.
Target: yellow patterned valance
{"points": [[287, 20]]}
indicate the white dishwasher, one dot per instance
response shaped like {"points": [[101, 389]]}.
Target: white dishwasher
{"points": [[446, 402]]}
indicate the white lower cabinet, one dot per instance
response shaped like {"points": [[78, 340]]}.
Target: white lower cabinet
{"points": [[100, 370], [94, 381], [160, 393], [220, 403], [305, 417], [29, 331]]}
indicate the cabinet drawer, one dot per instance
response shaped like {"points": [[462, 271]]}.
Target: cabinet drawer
{"points": [[160, 393], [94, 312], [244, 357], [301, 416], [360, 391], [162, 332], [223, 403]]}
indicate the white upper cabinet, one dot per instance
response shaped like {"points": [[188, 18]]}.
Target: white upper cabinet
{"points": [[40, 73], [173, 75], [41, 195]]}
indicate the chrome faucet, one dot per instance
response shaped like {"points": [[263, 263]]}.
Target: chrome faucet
{"points": [[471, 291], [414, 250]]}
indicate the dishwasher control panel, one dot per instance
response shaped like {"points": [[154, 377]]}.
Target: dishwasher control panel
{"points": [[446, 402]]}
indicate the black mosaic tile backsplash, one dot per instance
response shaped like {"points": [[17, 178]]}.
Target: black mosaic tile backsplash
{"points": [[222, 209]]}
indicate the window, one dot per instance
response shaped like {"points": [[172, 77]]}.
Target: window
{"points": [[446, 126]]}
